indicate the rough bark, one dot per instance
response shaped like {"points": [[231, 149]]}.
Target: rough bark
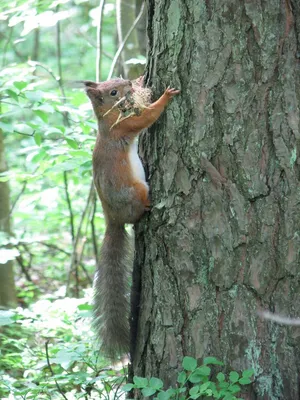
{"points": [[7, 285], [222, 239]]}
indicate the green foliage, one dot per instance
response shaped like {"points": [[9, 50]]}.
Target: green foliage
{"points": [[200, 378], [49, 133], [49, 345]]}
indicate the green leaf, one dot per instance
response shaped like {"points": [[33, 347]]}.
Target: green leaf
{"points": [[181, 377], [37, 138], [221, 377], [20, 85], [223, 385], [6, 127], [12, 94], [156, 383], [194, 390], [140, 382], [233, 376], [164, 395], [84, 307], [189, 363], [229, 396], [35, 96], [204, 387], [64, 166], [234, 388], [42, 115], [148, 391], [72, 143], [199, 374], [39, 156], [47, 108], [212, 360], [204, 370], [244, 381], [80, 153], [248, 373], [6, 317], [127, 387], [86, 167]]}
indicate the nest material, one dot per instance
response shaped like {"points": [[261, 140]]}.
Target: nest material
{"points": [[132, 104]]}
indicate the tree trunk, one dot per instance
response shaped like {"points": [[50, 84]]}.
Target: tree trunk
{"points": [[222, 239], [7, 284]]}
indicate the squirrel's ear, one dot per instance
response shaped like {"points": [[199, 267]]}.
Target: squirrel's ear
{"points": [[82, 84], [90, 84]]}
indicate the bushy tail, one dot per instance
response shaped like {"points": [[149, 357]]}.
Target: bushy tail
{"points": [[111, 286]]}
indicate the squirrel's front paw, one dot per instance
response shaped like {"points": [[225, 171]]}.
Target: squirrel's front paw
{"points": [[171, 92]]}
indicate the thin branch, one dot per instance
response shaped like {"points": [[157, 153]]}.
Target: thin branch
{"points": [[6, 46], [18, 198], [59, 66], [75, 244], [49, 70], [51, 370], [99, 41], [21, 263], [25, 134], [53, 246], [36, 44], [93, 44], [66, 186], [23, 57], [121, 47]]}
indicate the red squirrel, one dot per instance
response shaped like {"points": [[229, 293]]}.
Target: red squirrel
{"points": [[119, 179]]}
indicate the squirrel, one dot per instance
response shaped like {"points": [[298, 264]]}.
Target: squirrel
{"points": [[123, 109]]}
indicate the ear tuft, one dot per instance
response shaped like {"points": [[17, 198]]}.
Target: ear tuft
{"points": [[90, 84], [85, 84]]}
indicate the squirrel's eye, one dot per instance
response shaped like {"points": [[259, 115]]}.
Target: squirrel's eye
{"points": [[113, 92]]}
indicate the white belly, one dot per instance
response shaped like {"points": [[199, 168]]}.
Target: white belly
{"points": [[136, 164]]}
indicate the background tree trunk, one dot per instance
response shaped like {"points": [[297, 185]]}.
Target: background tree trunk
{"points": [[126, 13], [222, 239], [7, 284]]}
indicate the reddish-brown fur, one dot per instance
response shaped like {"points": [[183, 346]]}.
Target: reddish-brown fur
{"points": [[124, 196]]}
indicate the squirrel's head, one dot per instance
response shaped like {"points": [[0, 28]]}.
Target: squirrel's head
{"points": [[104, 95]]}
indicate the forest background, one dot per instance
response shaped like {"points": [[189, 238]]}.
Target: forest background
{"points": [[51, 222]]}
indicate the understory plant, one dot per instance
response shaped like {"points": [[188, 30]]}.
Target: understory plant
{"points": [[194, 382]]}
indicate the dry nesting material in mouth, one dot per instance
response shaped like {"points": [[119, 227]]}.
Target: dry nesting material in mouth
{"points": [[132, 104]]}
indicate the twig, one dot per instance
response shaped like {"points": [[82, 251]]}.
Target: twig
{"points": [[74, 253], [49, 70], [20, 261], [93, 44], [6, 46], [120, 49], [59, 66], [115, 105], [72, 228], [99, 41], [53, 246], [18, 198], [51, 370], [23, 57], [36, 44], [25, 134]]}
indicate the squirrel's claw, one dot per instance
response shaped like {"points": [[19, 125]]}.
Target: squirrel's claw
{"points": [[171, 92]]}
